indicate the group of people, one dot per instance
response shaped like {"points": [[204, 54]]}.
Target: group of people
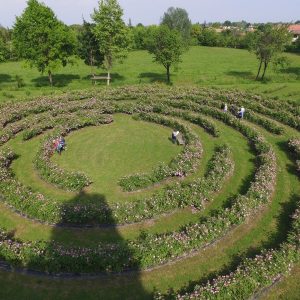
{"points": [[59, 144], [240, 113]]}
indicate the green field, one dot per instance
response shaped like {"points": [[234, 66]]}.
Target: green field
{"points": [[105, 153], [201, 66]]}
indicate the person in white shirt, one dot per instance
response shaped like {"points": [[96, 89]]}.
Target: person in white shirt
{"points": [[225, 107], [242, 112]]}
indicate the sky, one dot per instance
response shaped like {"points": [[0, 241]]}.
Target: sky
{"points": [[150, 11]]}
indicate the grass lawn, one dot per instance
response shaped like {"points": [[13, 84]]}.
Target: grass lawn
{"points": [[201, 66]]}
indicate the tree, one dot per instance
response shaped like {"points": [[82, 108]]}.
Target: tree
{"points": [[2, 50], [111, 32], [89, 49], [267, 43], [41, 39], [196, 31], [297, 45], [178, 19], [167, 47], [143, 36], [229, 38], [6, 50], [227, 23], [209, 37]]}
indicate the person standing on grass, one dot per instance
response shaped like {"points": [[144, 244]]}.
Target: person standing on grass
{"points": [[242, 112], [62, 141], [174, 135], [225, 107]]}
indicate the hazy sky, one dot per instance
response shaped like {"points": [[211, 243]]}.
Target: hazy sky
{"points": [[150, 11]]}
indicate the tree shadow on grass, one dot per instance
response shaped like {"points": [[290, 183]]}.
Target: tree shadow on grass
{"points": [[5, 78], [153, 77], [291, 70], [291, 167], [241, 74], [246, 182], [59, 80], [283, 222]]}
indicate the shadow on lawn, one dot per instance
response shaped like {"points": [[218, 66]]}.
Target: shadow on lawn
{"points": [[291, 70], [105, 268], [241, 74], [153, 77], [59, 80], [5, 78]]}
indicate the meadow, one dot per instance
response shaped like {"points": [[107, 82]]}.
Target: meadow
{"points": [[201, 66]]}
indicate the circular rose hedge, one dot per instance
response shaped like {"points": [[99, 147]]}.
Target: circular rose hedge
{"points": [[183, 109]]}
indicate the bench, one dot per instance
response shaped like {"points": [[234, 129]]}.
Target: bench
{"points": [[94, 78], [179, 139]]}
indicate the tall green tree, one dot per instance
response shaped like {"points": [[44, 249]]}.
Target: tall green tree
{"points": [[142, 36], [3, 50], [209, 37], [267, 43], [88, 48], [41, 39], [167, 47], [178, 19], [5, 44], [111, 32]]}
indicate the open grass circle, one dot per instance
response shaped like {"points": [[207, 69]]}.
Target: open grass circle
{"points": [[108, 153], [150, 202]]}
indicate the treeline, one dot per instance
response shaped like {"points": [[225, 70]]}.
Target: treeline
{"points": [[199, 35], [232, 35], [204, 35]]}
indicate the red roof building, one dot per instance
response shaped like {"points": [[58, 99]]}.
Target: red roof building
{"points": [[295, 30]]}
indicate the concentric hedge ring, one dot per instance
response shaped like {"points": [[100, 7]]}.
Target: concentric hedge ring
{"points": [[165, 107]]}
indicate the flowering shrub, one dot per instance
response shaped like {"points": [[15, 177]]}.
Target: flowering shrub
{"points": [[6, 157], [294, 145]]}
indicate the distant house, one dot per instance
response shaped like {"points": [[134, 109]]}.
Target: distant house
{"points": [[250, 28], [295, 31]]}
